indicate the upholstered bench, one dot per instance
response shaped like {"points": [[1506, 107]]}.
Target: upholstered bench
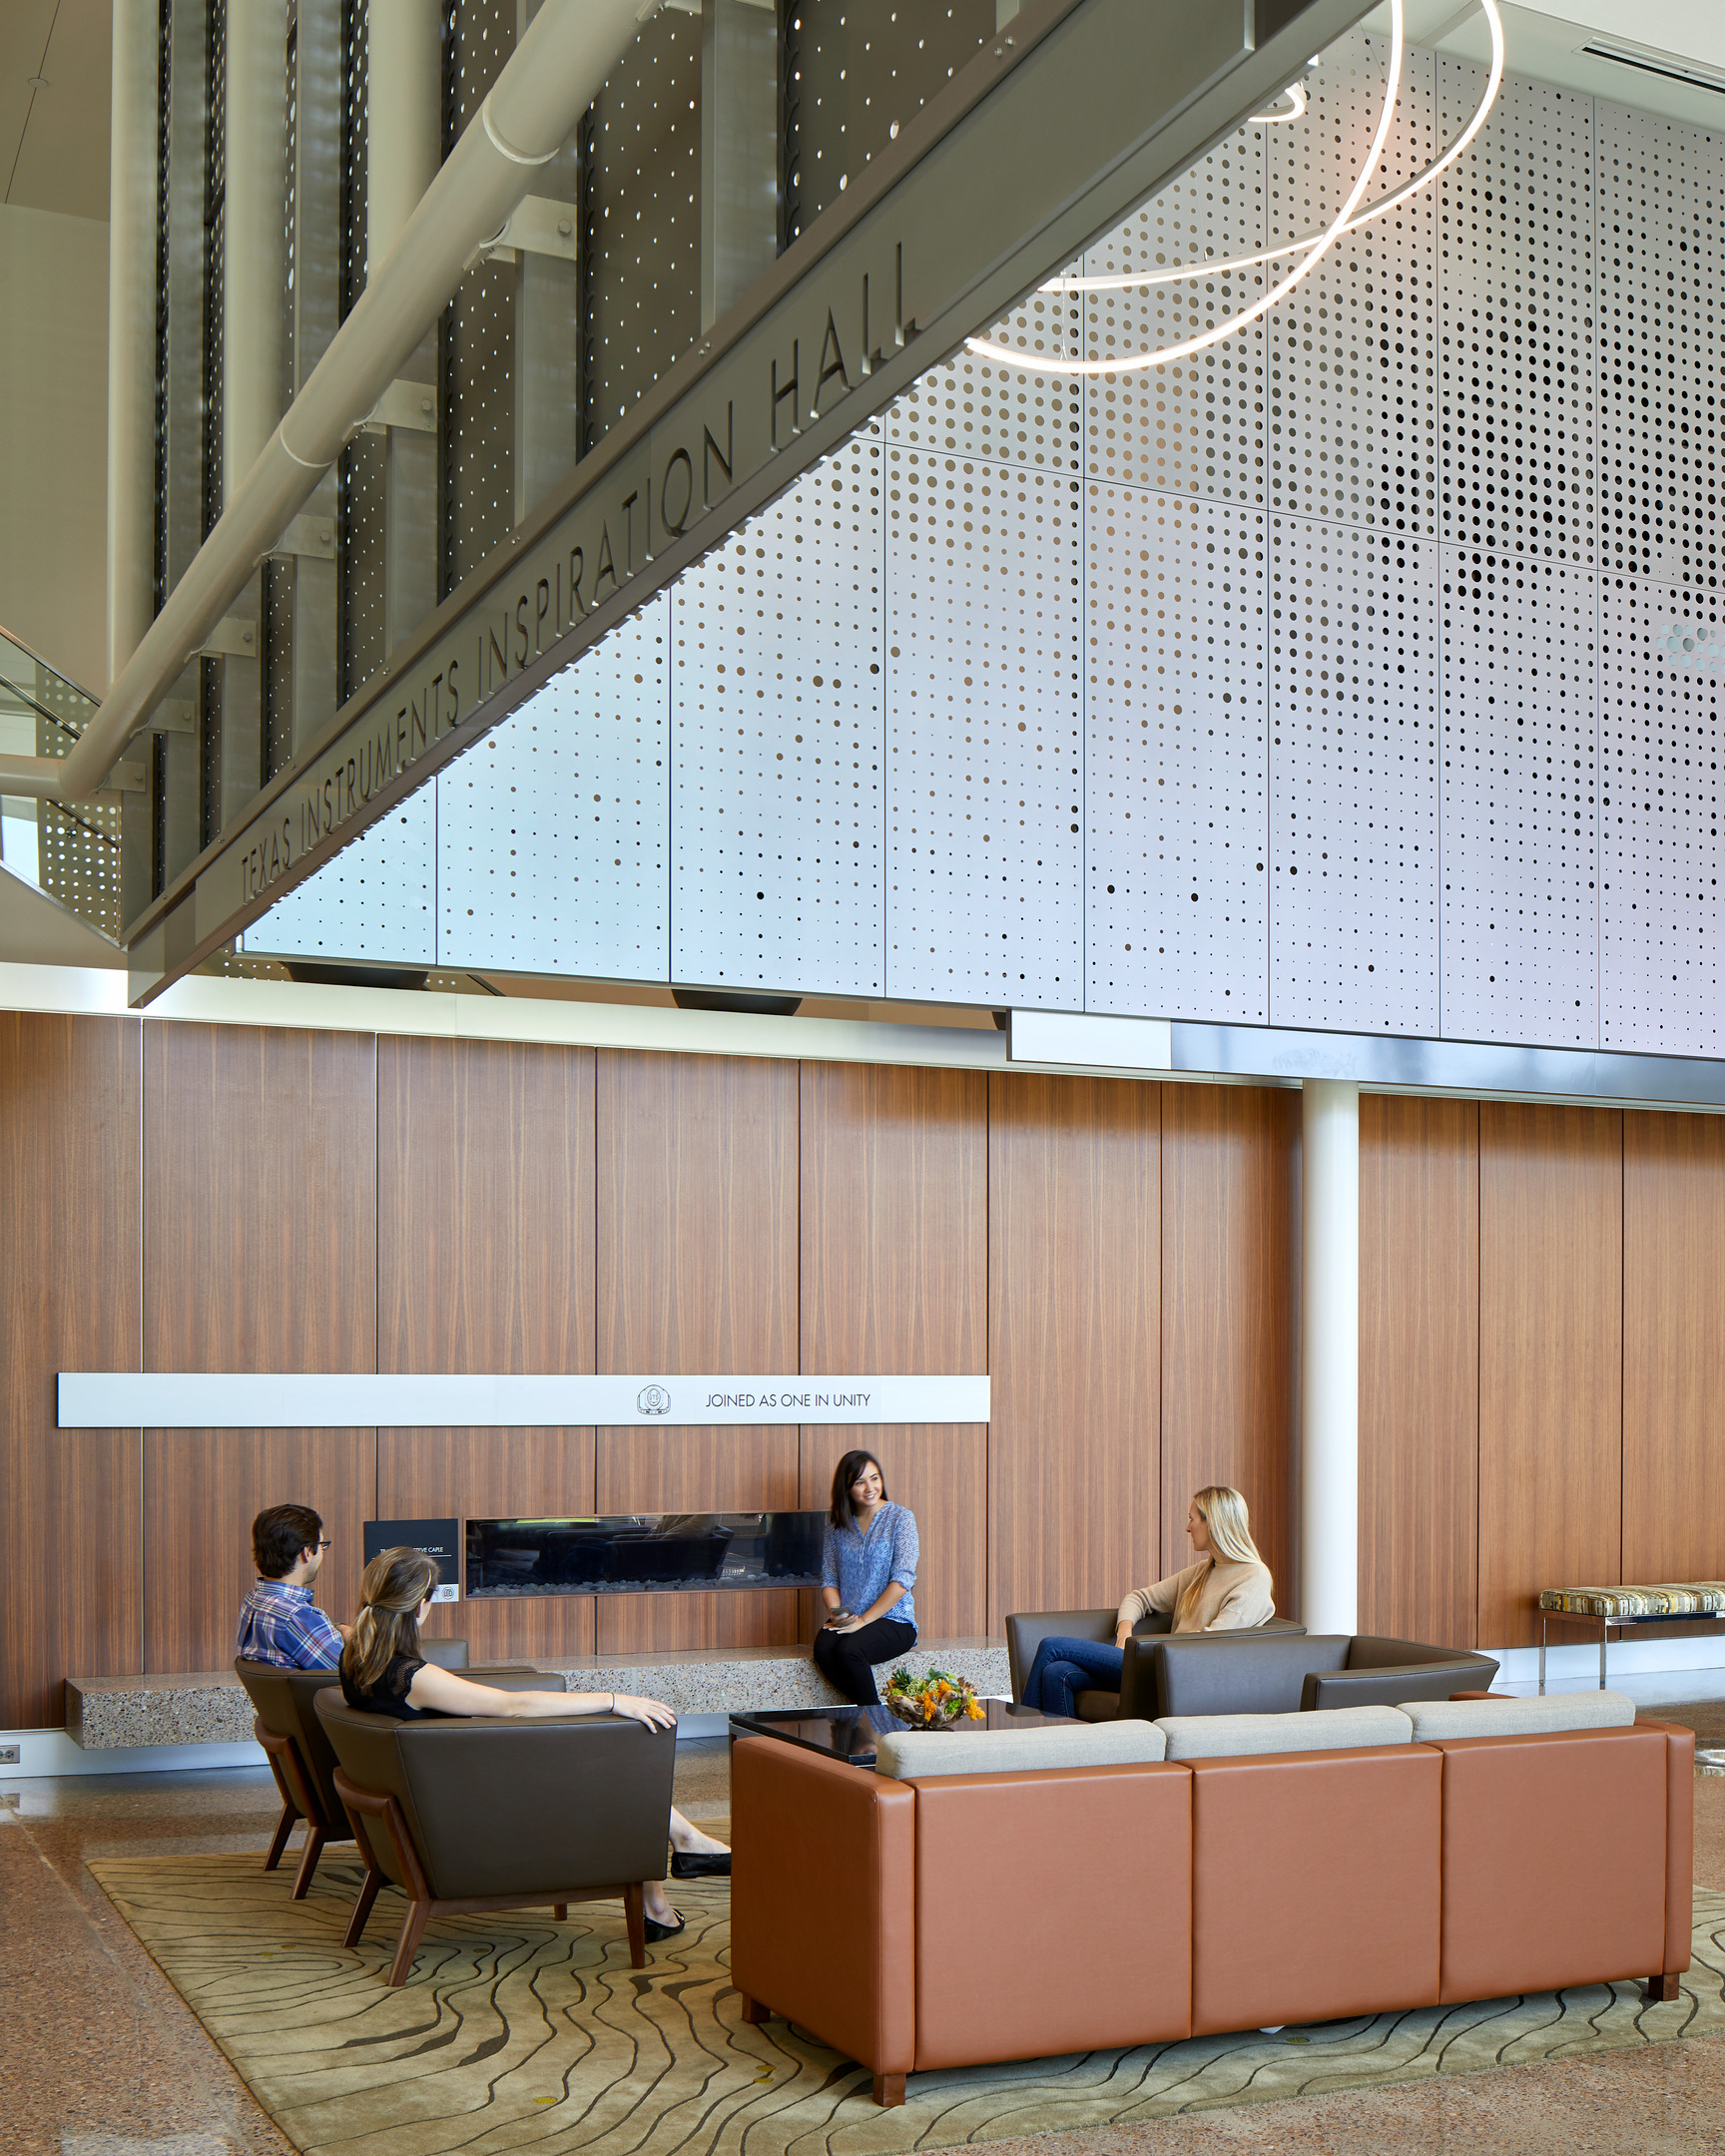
{"points": [[1673, 1603]]}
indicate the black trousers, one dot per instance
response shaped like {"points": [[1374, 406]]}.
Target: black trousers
{"points": [[848, 1659]]}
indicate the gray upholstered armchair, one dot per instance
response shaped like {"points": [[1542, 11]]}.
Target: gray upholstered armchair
{"points": [[473, 1814], [1137, 1697], [300, 1753]]}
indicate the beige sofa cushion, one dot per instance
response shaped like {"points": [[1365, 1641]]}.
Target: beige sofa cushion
{"points": [[1519, 1716], [916, 1755], [1240, 1735]]}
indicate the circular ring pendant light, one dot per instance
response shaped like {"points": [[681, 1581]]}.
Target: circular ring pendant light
{"points": [[1312, 245]]}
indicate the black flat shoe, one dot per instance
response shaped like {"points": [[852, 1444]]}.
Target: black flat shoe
{"points": [[658, 1931], [700, 1864]]}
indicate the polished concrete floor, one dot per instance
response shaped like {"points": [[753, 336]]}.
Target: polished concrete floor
{"points": [[99, 2057]]}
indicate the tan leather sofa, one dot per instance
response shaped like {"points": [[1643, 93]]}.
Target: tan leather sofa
{"points": [[953, 1920]]}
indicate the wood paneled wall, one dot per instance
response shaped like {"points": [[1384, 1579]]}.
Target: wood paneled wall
{"points": [[259, 1223], [1076, 1228], [1542, 1346], [70, 1501], [1419, 1367], [485, 1262]]}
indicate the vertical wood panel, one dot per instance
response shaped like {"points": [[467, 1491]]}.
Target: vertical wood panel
{"points": [[697, 1270], [261, 1254], [1230, 1303], [894, 1279], [1075, 1195], [1550, 1358], [69, 1230], [1419, 1367], [485, 1263], [1673, 1348]]}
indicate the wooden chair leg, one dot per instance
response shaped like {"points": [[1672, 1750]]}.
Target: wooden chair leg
{"points": [[1664, 1988], [753, 2010], [635, 1917], [408, 1945], [368, 1887], [283, 1828], [316, 1841], [889, 2090], [560, 1910]]}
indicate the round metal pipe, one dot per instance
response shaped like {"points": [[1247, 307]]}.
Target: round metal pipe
{"points": [[404, 115], [253, 236], [131, 582], [552, 76]]}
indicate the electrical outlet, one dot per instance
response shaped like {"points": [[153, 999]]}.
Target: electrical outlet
{"points": [[9, 1755]]}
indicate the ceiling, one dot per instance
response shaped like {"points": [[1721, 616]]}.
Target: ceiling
{"points": [[1544, 39], [53, 133]]}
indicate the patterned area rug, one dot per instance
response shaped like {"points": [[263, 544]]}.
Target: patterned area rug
{"points": [[515, 2033]]}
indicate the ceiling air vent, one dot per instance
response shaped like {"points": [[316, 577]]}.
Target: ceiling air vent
{"points": [[1668, 65]]}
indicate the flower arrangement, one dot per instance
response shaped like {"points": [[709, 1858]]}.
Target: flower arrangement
{"points": [[933, 1700]]}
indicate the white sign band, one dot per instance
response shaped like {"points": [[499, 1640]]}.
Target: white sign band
{"points": [[322, 1400]]}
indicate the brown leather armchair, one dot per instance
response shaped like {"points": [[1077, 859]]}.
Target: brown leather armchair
{"points": [[1137, 1697], [471, 1814], [300, 1754]]}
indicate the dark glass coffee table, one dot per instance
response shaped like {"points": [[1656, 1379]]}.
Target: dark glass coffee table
{"points": [[850, 1733]]}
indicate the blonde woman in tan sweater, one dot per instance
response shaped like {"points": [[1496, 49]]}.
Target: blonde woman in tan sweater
{"points": [[1227, 1589]]}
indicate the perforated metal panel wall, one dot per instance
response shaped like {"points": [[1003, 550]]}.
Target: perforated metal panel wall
{"points": [[1363, 672], [375, 904], [1177, 761], [778, 709], [985, 732], [552, 831]]}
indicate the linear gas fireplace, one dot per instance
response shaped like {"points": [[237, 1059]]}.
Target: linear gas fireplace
{"points": [[643, 1553]]}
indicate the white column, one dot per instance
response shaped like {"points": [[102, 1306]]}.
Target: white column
{"points": [[131, 331], [254, 236], [403, 151], [403, 117], [1330, 1360]]}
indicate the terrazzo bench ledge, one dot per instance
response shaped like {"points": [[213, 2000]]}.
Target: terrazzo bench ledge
{"points": [[105, 1714]]}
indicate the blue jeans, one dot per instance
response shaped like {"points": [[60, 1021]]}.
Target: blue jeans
{"points": [[1065, 1667]]}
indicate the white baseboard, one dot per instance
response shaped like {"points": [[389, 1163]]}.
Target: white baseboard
{"points": [[1626, 1658], [52, 1752]]}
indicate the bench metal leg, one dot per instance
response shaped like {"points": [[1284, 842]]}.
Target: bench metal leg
{"points": [[1604, 1635], [1541, 1653]]}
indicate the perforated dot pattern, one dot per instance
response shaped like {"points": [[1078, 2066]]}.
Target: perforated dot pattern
{"points": [[984, 734], [1519, 800], [1352, 348], [1516, 375], [1662, 718], [1176, 756], [777, 738], [375, 902], [1661, 318], [552, 831], [1353, 910], [1196, 425], [976, 407]]}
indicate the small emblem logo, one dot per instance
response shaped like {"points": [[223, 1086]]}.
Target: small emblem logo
{"points": [[652, 1400]]}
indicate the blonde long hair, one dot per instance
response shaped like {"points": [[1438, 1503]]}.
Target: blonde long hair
{"points": [[395, 1583], [1223, 1511]]}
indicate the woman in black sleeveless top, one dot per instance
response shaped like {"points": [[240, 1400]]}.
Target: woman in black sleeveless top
{"points": [[384, 1672]]}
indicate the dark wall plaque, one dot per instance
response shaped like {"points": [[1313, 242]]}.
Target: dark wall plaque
{"points": [[439, 1538]]}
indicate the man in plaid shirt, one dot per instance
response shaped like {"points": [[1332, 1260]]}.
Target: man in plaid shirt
{"points": [[278, 1621]]}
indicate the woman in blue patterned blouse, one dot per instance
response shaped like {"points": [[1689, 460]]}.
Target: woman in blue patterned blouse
{"points": [[867, 1571]]}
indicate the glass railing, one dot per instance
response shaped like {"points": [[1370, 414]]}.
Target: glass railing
{"points": [[69, 851]]}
